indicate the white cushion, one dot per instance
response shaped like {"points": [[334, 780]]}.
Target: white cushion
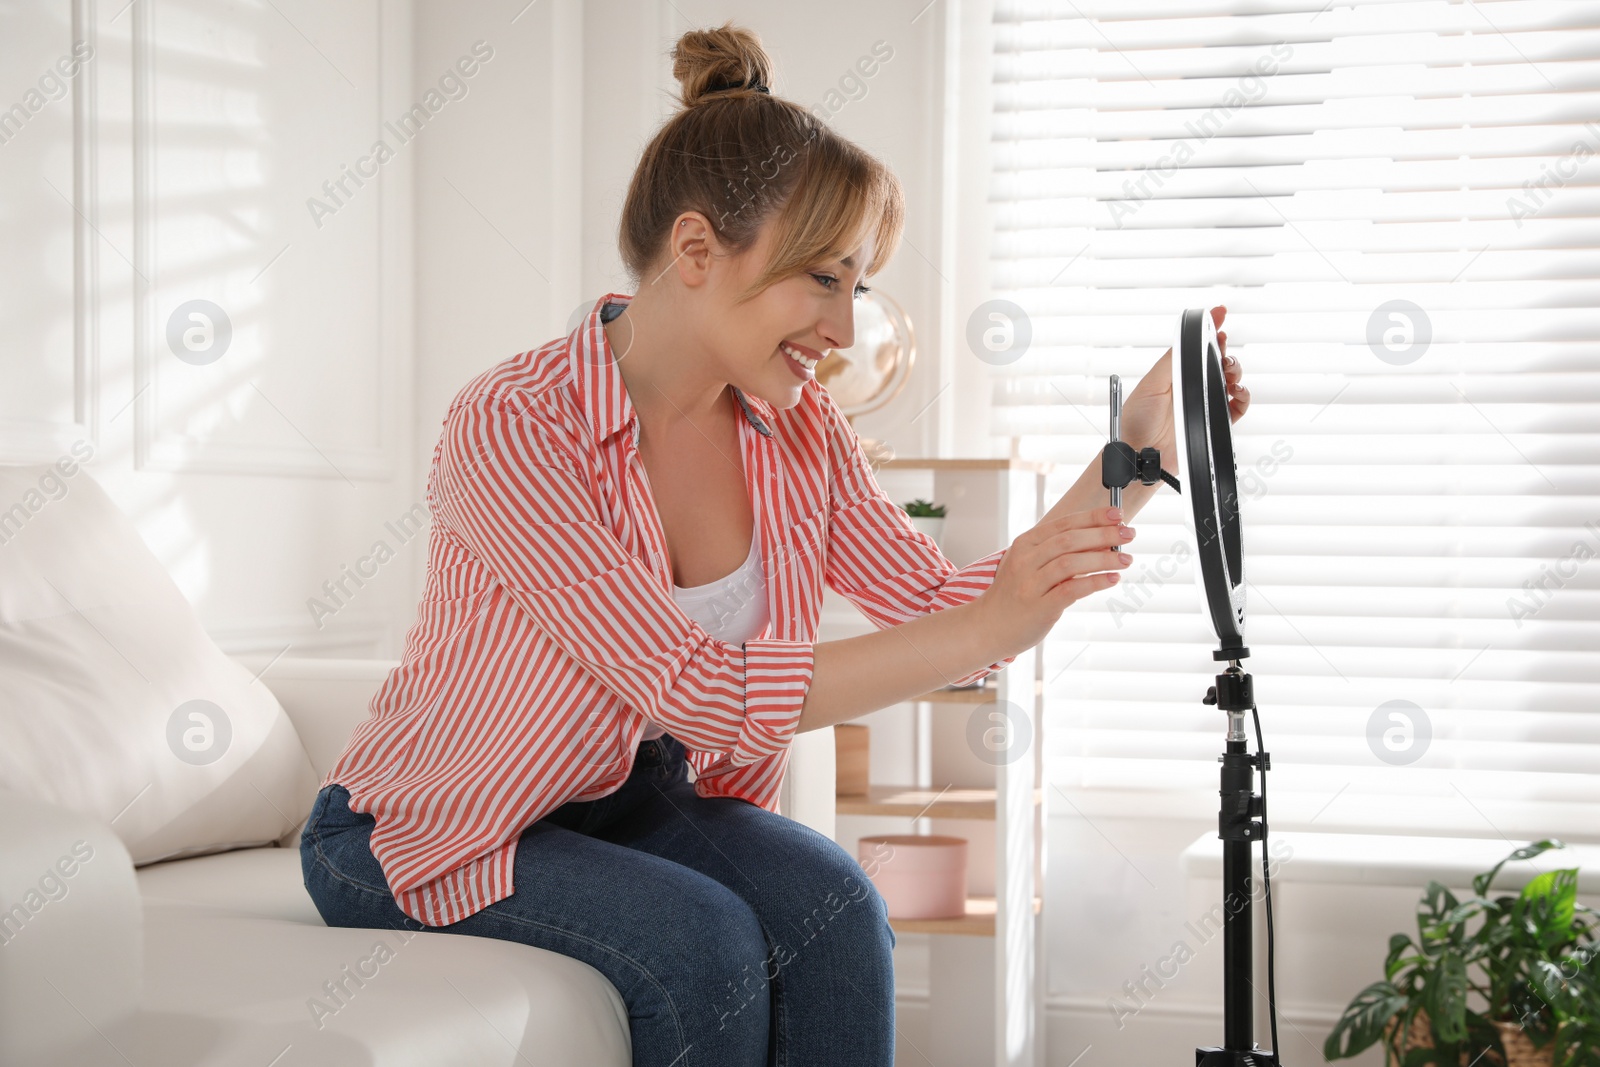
{"points": [[113, 700], [264, 883], [238, 965]]}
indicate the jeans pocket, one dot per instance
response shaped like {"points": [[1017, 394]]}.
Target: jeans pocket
{"points": [[336, 815], [319, 808], [342, 901]]}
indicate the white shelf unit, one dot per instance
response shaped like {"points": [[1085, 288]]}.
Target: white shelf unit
{"points": [[985, 968]]}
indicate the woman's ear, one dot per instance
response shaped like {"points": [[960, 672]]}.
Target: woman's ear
{"points": [[693, 249]]}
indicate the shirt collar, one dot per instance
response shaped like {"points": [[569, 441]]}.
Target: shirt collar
{"points": [[601, 390]]}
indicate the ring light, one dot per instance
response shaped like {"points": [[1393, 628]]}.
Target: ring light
{"points": [[1204, 441], [1205, 445]]}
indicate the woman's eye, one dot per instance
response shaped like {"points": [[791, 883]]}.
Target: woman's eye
{"points": [[860, 291]]}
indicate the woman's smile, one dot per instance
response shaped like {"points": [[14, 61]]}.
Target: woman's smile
{"points": [[799, 359]]}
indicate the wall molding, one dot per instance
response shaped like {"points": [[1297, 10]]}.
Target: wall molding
{"points": [[269, 635], [26, 441], [155, 450]]}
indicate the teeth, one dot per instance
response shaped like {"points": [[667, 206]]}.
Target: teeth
{"points": [[808, 364]]}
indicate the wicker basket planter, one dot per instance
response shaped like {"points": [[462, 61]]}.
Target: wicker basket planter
{"points": [[1517, 1045]]}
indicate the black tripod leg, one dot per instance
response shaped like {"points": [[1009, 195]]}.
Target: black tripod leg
{"points": [[1237, 959]]}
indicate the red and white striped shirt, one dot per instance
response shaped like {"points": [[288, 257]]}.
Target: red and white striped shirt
{"points": [[548, 632]]}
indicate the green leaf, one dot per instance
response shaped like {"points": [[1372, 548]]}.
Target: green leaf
{"points": [[1392, 964], [1548, 981], [1481, 883], [1463, 911], [1484, 1035], [1363, 1021], [1557, 892], [1445, 995], [1496, 929], [1400, 965], [1437, 901], [1578, 1045]]}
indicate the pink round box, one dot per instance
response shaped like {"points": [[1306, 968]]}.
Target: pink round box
{"points": [[919, 876]]}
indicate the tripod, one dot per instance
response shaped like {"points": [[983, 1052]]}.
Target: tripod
{"points": [[1242, 818], [1241, 821]]}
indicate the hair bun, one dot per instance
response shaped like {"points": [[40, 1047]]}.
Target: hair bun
{"points": [[718, 61]]}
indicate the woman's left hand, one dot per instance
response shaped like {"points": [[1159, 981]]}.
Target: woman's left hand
{"points": [[1147, 418]]}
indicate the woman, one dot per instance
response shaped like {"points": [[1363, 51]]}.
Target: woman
{"points": [[633, 525]]}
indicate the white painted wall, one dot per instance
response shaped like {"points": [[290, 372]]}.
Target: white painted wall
{"points": [[175, 165], [499, 189]]}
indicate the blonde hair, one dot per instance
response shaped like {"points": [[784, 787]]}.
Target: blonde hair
{"points": [[743, 157]]}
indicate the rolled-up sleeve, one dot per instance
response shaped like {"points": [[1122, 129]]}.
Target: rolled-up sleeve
{"points": [[513, 486], [877, 559]]}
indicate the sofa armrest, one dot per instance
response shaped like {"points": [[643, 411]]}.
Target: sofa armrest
{"points": [[71, 937], [325, 699], [810, 783]]}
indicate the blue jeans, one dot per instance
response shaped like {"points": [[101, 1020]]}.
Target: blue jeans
{"points": [[734, 936]]}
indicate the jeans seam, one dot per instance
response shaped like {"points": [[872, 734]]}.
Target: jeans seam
{"points": [[779, 1016], [313, 833], [780, 1041], [322, 858], [780, 1021]]}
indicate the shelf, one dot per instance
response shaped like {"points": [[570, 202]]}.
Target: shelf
{"points": [[983, 694], [978, 922], [996, 500], [930, 802]]}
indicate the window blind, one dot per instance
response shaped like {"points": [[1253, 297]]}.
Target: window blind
{"points": [[1397, 204]]}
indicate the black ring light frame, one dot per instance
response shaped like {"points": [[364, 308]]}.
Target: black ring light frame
{"points": [[1204, 438], [1205, 443]]}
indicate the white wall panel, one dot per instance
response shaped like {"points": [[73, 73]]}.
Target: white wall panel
{"points": [[266, 140]]}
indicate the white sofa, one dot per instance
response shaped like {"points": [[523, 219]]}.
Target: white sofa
{"points": [[174, 928]]}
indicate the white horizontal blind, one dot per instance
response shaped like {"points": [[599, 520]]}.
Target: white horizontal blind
{"points": [[1305, 165]]}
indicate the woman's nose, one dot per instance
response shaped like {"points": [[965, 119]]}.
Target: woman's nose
{"points": [[840, 333]]}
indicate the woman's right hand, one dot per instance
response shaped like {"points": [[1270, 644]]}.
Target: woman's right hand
{"points": [[1057, 563]]}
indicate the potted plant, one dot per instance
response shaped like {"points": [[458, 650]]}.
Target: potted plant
{"points": [[927, 517], [1514, 980]]}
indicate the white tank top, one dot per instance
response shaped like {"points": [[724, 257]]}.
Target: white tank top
{"points": [[732, 609]]}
